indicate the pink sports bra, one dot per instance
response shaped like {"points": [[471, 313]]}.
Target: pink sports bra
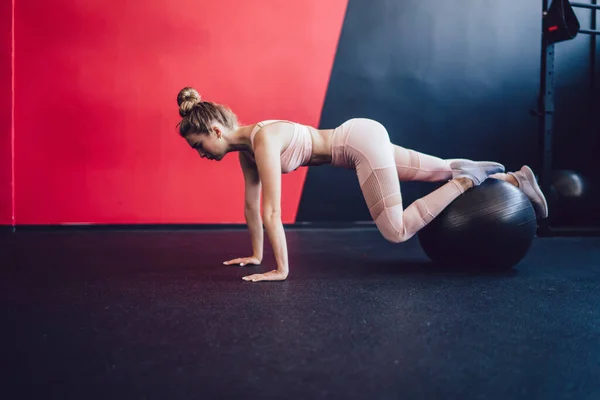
{"points": [[299, 150]]}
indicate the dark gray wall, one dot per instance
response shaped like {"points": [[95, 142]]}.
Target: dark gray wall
{"points": [[577, 129], [577, 119], [453, 79]]}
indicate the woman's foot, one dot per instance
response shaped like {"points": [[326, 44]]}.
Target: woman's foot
{"points": [[525, 180], [529, 185], [476, 171]]}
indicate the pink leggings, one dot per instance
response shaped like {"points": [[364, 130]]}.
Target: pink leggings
{"points": [[364, 145]]}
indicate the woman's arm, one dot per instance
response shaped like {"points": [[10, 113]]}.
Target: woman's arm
{"points": [[268, 162], [251, 212], [252, 204]]}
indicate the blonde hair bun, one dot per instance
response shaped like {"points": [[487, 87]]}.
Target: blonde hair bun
{"points": [[187, 98]]}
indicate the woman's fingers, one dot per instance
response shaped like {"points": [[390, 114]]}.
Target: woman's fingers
{"points": [[251, 277], [269, 276], [242, 261]]}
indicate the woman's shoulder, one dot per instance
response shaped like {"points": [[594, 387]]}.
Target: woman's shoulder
{"points": [[261, 124], [266, 122]]}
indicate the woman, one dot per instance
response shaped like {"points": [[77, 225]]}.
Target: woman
{"points": [[269, 148]]}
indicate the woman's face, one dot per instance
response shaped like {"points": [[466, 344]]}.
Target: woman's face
{"points": [[211, 145]]}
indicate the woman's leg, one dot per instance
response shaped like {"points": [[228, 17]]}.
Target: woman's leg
{"points": [[381, 190], [367, 146], [414, 166]]}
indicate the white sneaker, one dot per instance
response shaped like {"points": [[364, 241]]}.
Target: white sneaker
{"points": [[477, 171]]}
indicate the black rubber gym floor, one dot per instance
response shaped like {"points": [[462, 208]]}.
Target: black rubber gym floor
{"points": [[155, 315]]}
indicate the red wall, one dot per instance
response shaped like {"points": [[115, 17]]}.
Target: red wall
{"points": [[95, 106], [5, 112]]}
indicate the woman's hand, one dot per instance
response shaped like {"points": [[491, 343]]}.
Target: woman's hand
{"points": [[244, 261], [274, 275]]}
